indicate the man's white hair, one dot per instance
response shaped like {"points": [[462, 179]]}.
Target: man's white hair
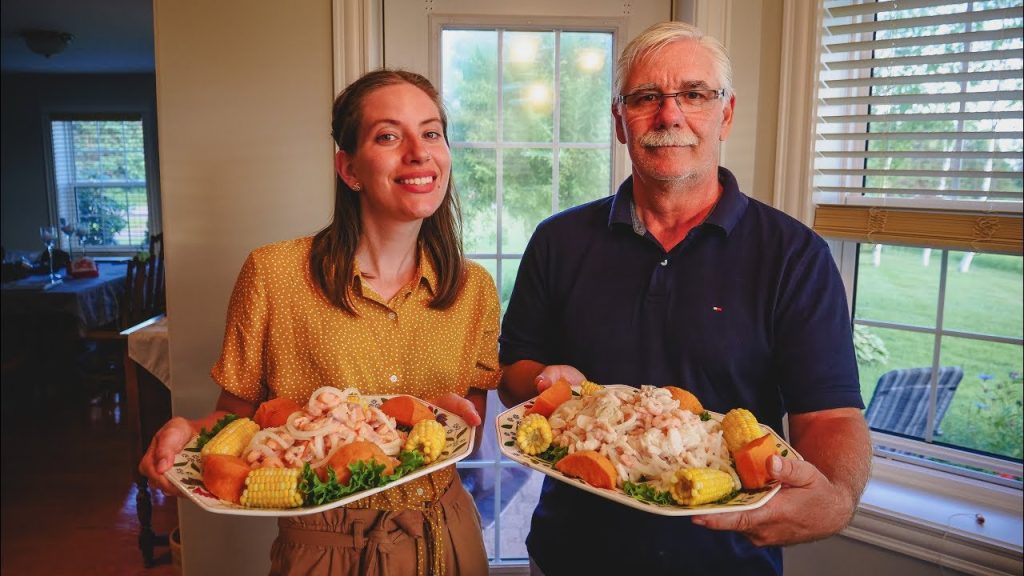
{"points": [[664, 33]]}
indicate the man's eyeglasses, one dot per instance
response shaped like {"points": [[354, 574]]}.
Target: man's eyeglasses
{"points": [[649, 102]]}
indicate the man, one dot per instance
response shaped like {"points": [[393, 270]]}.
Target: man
{"points": [[680, 279]]}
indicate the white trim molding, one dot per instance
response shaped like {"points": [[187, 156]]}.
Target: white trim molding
{"points": [[797, 93], [954, 522], [357, 33]]}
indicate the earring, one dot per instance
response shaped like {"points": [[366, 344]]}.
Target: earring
{"points": [[356, 187]]}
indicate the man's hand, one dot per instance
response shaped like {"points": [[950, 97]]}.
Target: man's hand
{"points": [[807, 508], [460, 406], [524, 379], [819, 494], [159, 457], [551, 374]]}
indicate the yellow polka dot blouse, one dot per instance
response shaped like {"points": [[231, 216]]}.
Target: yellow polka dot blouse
{"points": [[284, 338]]}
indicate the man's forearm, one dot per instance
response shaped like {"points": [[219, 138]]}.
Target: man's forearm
{"points": [[838, 443]]}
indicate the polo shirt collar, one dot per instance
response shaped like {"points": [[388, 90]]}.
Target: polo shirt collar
{"points": [[725, 215]]}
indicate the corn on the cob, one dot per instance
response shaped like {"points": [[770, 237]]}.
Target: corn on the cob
{"points": [[232, 439], [696, 486], [534, 434], [739, 426], [358, 399], [428, 437], [587, 388], [272, 488]]}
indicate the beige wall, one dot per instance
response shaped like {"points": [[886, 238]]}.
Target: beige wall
{"points": [[244, 91]]}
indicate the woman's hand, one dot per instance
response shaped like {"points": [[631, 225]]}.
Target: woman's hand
{"points": [[551, 374], [159, 457], [460, 406]]}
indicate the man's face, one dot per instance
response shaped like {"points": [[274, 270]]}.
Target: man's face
{"points": [[670, 144]]}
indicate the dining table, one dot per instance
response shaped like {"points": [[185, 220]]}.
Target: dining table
{"points": [[78, 304], [47, 328]]}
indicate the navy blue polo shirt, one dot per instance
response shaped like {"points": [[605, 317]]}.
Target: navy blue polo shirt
{"points": [[748, 311]]}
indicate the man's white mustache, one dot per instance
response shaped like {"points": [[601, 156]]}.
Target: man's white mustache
{"points": [[656, 138]]}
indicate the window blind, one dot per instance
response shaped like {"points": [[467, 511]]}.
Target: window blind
{"points": [[919, 114]]}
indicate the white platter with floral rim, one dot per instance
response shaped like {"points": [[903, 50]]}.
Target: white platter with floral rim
{"points": [[186, 473], [508, 422]]}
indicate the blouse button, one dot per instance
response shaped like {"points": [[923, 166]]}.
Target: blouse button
{"points": [[393, 378], [664, 262], [419, 491], [392, 316]]}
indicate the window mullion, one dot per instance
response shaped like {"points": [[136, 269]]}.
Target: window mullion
{"points": [[555, 123], [940, 306]]}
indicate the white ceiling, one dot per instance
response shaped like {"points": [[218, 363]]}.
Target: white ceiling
{"points": [[110, 36]]}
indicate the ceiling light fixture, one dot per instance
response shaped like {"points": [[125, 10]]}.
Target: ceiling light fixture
{"points": [[46, 42]]}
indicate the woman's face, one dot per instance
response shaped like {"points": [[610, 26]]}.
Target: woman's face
{"points": [[401, 163]]}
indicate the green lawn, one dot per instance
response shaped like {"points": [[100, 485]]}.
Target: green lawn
{"points": [[986, 411]]}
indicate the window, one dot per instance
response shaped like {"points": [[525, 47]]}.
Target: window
{"points": [[918, 171], [100, 181], [530, 135], [530, 132]]}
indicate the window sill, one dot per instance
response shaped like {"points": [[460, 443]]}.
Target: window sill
{"points": [[932, 516]]}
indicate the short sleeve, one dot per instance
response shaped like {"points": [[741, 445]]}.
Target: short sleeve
{"points": [[240, 369], [488, 371], [814, 353], [527, 325]]}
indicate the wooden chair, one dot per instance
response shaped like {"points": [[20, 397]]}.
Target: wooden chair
{"points": [[103, 367], [145, 290], [155, 297]]}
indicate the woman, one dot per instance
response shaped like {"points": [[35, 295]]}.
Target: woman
{"points": [[383, 300]]}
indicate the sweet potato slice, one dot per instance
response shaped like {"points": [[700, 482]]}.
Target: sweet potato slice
{"points": [[274, 413], [687, 401], [752, 462], [406, 410], [591, 467], [224, 476], [357, 451], [550, 399]]}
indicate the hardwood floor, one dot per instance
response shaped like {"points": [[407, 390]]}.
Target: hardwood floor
{"points": [[68, 492]]}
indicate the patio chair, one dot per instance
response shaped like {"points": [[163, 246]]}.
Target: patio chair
{"points": [[900, 402]]}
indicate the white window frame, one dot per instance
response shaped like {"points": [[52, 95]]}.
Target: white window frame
{"points": [[65, 113], [906, 508]]}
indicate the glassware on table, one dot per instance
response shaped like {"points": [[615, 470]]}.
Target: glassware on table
{"points": [[82, 231], [69, 231], [48, 234]]}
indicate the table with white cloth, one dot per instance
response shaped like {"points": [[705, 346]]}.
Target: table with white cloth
{"points": [[148, 395]]}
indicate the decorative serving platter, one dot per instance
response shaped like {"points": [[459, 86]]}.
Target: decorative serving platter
{"points": [[186, 473], [508, 422]]}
